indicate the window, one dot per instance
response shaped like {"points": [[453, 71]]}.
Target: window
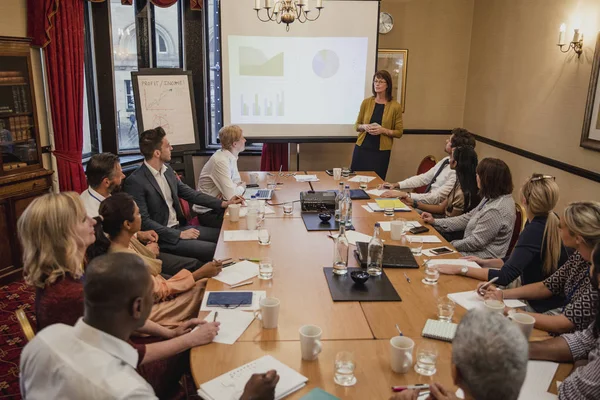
{"points": [[129, 96], [162, 45], [125, 62], [167, 36]]}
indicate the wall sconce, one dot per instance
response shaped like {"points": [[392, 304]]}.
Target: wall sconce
{"points": [[576, 44]]}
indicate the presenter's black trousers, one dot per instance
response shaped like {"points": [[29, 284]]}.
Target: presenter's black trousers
{"points": [[371, 160]]}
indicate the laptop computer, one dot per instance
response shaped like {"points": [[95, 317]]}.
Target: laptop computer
{"points": [[393, 256], [261, 194]]}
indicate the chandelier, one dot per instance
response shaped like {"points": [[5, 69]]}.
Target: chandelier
{"points": [[286, 11]]}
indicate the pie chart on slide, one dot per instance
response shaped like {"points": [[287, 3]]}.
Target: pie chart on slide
{"points": [[325, 63]]}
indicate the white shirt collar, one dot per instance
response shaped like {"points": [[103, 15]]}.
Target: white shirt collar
{"points": [[155, 172], [105, 342], [95, 194]]}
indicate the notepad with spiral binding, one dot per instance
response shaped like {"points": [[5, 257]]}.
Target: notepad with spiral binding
{"points": [[440, 330]]}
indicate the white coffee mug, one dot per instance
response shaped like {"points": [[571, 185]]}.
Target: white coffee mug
{"points": [[269, 312], [234, 212], [525, 322], [310, 342], [337, 174], [397, 229], [253, 178], [494, 305], [401, 354]]}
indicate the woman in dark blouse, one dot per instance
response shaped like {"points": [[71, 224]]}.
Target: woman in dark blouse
{"points": [[539, 250], [579, 229], [55, 232], [379, 122]]}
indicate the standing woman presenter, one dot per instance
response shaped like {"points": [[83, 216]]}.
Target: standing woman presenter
{"points": [[379, 122]]}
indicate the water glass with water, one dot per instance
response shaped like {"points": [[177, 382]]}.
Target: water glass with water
{"points": [[388, 211], [364, 182], [427, 355], [344, 369], [446, 309], [432, 275], [264, 237], [416, 245], [288, 208], [345, 172], [265, 268]]}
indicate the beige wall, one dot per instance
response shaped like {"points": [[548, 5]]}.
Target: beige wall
{"points": [[13, 22], [522, 91]]}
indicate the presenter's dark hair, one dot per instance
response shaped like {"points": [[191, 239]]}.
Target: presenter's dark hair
{"points": [[100, 166], [495, 178], [462, 137], [151, 140], [383, 74], [466, 165]]}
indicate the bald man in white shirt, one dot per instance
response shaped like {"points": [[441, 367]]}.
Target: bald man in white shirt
{"points": [[220, 176]]}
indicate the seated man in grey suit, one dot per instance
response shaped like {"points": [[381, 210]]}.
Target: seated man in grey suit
{"points": [[156, 190]]}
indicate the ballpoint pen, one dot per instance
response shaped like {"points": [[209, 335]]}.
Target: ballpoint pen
{"points": [[215, 316], [407, 278], [399, 331], [242, 284], [417, 386], [249, 259], [481, 290]]}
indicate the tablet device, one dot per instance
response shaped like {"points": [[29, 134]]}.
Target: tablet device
{"points": [[229, 299]]}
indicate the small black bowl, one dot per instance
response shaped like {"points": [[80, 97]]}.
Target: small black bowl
{"points": [[359, 277], [325, 217]]}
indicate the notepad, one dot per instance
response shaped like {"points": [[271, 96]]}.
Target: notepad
{"points": [[377, 208], [471, 299], [440, 330], [376, 192], [390, 203], [240, 236], [306, 178], [231, 384], [424, 238], [237, 273], [463, 263], [233, 324]]}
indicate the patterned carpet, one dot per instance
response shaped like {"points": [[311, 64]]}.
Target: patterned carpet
{"points": [[13, 296]]}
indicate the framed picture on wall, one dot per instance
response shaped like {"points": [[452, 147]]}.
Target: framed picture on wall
{"points": [[590, 137], [394, 62]]}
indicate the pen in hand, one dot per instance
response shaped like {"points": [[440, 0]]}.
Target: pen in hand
{"points": [[481, 290]]}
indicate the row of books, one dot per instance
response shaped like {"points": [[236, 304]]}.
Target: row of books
{"points": [[15, 77], [19, 126], [20, 100]]}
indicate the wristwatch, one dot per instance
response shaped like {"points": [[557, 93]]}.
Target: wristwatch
{"points": [[464, 270], [415, 204]]}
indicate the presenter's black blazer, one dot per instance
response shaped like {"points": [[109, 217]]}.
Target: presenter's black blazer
{"points": [[142, 185]]}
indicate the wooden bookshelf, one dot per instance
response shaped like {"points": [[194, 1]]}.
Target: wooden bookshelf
{"points": [[22, 177]]}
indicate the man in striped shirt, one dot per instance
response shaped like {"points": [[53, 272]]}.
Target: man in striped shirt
{"points": [[584, 382]]}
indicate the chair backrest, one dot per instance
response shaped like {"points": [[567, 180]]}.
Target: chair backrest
{"points": [[518, 228], [25, 325], [426, 164], [187, 210]]}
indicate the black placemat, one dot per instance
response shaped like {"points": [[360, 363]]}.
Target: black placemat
{"points": [[343, 288], [359, 194], [312, 222]]}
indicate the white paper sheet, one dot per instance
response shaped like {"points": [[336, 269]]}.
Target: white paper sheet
{"points": [[538, 379], [387, 225], [244, 211], [426, 238], [240, 236], [256, 296], [442, 261], [376, 192], [471, 299], [233, 324], [238, 272], [375, 207], [306, 178], [367, 208], [361, 178], [354, 237]]}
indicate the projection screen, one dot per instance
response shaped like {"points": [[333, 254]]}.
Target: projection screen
{"points": [[307, 83]]}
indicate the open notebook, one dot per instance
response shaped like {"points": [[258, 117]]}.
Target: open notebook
{"points": [[230, 385]]}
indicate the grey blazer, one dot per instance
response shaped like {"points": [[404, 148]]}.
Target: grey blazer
{"points": [[142, 185]]}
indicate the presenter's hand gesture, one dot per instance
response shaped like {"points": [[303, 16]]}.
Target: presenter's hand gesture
{"points": [[375, 129], [427, 218]]}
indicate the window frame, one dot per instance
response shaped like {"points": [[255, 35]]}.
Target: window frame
{"points": [[90, 83]]}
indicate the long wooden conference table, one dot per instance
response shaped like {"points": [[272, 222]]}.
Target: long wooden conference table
{"points": [[364, 328]]}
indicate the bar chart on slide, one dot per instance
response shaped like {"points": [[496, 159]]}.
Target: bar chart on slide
{"points": [[261, 105]]}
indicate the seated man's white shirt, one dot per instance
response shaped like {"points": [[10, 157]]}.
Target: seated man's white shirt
{"points": [[80, 362], [440, 189], [219, 178], [91, 201]]}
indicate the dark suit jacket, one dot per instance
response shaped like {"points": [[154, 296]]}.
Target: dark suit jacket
{"points": [[142, 185]]}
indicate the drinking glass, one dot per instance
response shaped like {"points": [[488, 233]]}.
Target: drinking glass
{"points": [[344, 369], [345, 172], [427, 355], [364, 182], [271, 182], [388, 211], [397, 228], [264, 237], [416, 245], [288, 208], [337, 174], [432, 275], [265, 268], [445, 309]]}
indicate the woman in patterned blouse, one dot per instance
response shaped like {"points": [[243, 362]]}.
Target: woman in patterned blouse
{"points": [[580, 230]]}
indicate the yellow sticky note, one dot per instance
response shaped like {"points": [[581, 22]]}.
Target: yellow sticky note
{"points": [[389, 203]]}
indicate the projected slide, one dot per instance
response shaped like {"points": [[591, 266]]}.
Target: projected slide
{"points": [[296, 80]]}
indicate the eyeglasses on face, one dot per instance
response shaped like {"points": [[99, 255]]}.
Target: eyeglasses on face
{"points": [[376, 81]]}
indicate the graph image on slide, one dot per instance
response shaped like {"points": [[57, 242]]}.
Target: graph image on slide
{"points": [[264, 106], [326, 63], [253, 62]]}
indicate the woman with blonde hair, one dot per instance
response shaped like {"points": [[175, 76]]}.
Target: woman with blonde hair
{"points": [[539, 250], [580, 230], [55, 232]]}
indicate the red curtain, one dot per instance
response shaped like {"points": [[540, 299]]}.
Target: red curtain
{"points": [[58, 25], [163, 3], [274, 155]]}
